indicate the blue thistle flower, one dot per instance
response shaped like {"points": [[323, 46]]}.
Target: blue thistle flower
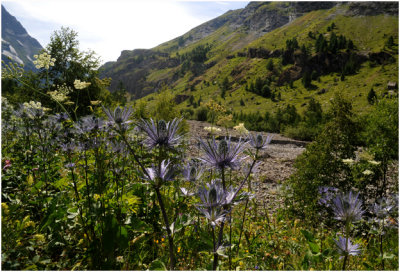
{"points": [[61, 117], [186, 192], [345, 247], [327, 194], [347, 207], [258, 141], [216, 202], [157, 176], [222, 155], [192, 171], [161, 133], [89, 124], [383, 208], [119, 116]]}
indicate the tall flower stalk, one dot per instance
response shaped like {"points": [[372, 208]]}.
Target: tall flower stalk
{"points": [[347, 208], [222, 156]]}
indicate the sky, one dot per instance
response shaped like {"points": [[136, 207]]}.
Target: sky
{"points": [[110, 26]]}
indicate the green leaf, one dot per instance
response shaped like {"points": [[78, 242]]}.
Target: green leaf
{"points": [[387, 256], [221, 251], [367, 266], [314, 247], [138, 225], [36, 259], [157, 265], [308, 235]]}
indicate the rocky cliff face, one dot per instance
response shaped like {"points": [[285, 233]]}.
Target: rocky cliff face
{"points": [[16, 44]]}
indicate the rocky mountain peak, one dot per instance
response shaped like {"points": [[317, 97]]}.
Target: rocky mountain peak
{"points": [[16, 43]]}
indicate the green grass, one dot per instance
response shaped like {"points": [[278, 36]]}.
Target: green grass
{"points": [[369, 34]]}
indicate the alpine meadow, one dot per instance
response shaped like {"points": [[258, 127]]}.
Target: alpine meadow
{"points": [[263, 139]]}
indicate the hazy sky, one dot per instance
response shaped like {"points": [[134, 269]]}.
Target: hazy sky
{"points": [[110, 26]]}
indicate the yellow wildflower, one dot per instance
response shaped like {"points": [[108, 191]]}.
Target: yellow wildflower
{"points": [[5, 208], [367, 172], [96, 197], [79, 85], [348, 161], [95, 102], [374, 162], [39, 238], [179, 249], [43, 60], [29, 180], [241, 129], [212, 129]]}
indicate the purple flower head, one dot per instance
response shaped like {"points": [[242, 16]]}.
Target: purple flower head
{"points": [[185, 192], [212, 195], [157, 176], [347, 207], [385, 207], [215, 215], [119, 148], [119, 117], [222, 155], [70, 165], [89, 124], [345, 247], [327, 195], [69, 147], [192, 171], [61, 117], [161, 133], [258, 141]]}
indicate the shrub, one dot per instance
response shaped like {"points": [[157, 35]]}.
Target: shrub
{"points": [[201, 114], [321, 164]]}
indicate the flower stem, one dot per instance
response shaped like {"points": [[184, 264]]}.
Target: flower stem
{"points": [[170, 238]]}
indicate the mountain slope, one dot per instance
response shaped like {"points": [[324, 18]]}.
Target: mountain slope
{"points": [[16, 42], [239, 44]]}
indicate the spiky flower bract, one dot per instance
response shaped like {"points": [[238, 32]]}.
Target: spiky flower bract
{"points": [[192, 171], [158, 175], [119, 117], [347, 207], [213, 201], [257, 141], [222, 155], [327, 194], [161, 133], [345, 247]]}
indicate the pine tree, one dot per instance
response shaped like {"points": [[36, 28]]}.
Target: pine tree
{"points": [[371, 96]]}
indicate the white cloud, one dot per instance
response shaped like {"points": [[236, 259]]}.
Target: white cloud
{"points": [[107, 27]]}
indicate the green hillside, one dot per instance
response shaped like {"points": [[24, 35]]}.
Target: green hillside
{"points": [[241, 55]]}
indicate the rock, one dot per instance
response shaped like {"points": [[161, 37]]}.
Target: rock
{"points": [[392, 85]]}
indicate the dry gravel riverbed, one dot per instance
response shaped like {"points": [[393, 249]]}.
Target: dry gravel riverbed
{"points": [[276, 164]]}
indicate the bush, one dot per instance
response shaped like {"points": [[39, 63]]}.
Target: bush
{"points": [[201, 114], [321, 164]]}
